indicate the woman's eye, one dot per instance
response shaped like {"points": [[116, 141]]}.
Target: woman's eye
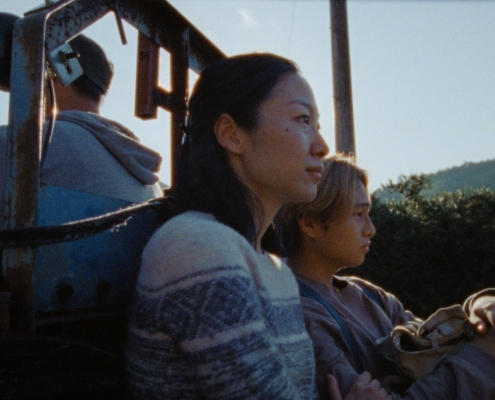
{"points": [[304, 118]]}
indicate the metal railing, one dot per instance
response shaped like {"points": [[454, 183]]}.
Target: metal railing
{"points": [[44, 30]]}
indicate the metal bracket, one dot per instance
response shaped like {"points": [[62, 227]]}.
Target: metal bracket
{"points": [[63, 63]]}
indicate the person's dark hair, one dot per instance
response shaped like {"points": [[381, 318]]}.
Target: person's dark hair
{"points": [[85, 88], [205, 182], [97, 68]]}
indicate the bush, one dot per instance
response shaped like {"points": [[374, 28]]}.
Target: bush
{"points": [[433, 251]]}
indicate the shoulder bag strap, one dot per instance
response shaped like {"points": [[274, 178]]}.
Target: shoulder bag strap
{"points": [[370, 294], [310, 293]]}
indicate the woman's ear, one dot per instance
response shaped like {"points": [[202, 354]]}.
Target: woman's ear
{"points": [[309, 227], [228, 134]]}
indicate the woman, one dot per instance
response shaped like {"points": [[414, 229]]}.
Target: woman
{"points": [[214, 315], [334, 231]]}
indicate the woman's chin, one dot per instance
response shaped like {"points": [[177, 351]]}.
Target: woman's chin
{"points": [[305, 196]]}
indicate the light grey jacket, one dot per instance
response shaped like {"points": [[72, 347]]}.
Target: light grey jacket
{"points": [[92, 154]]}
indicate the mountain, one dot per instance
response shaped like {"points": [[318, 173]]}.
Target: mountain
{"points": [[467, 176]]}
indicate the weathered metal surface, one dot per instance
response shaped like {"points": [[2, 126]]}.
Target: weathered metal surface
{"points": [[161, 22], [188, 48], [96, 272], [31, 37], [22, 169], [146, 106], [342, 88], [45, 30], [68, 18]]}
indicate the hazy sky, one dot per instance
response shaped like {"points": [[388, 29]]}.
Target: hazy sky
{"points": [[423, 73]]}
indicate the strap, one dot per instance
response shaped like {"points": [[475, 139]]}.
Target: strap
{"points": [[310, 293], [369, 293]]}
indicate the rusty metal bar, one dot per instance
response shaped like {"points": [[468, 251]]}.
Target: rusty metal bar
{"points": [[43, 30], [22, 169], [163, 98], [188, 48], [342, 89], [120, 25], [161, 22], [66, 19], [146, 78]]}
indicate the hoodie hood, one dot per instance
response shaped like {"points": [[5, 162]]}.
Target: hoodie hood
{"points": [[141, 162]]}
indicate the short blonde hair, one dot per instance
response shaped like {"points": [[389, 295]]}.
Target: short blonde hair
{"points": [[334, 200]]}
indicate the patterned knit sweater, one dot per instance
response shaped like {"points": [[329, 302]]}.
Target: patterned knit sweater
{"points": [[213, 319]]}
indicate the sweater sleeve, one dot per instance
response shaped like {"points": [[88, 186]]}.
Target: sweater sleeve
{"points": [[198, 297]]}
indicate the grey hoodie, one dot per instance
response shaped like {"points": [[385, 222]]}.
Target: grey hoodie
{"points": [[92, 154]]}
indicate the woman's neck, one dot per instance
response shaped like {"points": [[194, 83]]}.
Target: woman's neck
{"points": [[261, 228]]}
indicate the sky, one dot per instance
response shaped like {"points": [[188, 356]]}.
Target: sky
{"points": [[423, 73]]}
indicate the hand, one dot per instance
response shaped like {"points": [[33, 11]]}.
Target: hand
{"points": [[333, 388], [483, 314], [365, 387]]}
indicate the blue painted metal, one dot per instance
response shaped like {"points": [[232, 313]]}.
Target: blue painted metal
{"points": [[96, 272]]}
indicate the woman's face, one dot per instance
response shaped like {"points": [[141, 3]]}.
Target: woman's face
{"points": [[346, 241], [283, 155]]}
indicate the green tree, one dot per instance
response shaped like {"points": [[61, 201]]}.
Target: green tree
{"points": [[433, 251]]}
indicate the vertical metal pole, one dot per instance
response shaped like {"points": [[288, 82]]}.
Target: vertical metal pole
{"points": [[342, 90], [146, 77], [179, 59], [23, 165]]}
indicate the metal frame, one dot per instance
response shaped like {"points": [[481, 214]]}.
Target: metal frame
{"points": [[42, 31]]}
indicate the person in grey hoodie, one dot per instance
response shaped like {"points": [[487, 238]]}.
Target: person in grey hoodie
{"points": [[88, 152]]}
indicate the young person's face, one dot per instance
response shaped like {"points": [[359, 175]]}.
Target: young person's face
{"points": [[283, 158], [346, 241]]}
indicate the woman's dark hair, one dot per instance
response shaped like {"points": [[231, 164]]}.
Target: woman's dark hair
{"points": [[205, 182]]}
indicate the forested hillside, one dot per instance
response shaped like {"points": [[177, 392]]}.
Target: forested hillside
{"points": [[467, 176]]}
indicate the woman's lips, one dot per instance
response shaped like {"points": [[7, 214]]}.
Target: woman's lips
{"points": [[315, 171]]}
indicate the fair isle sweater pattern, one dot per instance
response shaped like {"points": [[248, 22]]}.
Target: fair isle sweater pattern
{"points": [[230, 327]]}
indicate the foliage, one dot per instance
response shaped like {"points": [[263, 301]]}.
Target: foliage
{"points": [[409, 187], [469, 175], [433, 251], [465, 177]]}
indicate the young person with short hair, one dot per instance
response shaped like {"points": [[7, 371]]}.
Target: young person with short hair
{"points": [[334, 231]]}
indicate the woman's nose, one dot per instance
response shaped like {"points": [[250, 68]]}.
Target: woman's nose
{"points": [[320, 147]]}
